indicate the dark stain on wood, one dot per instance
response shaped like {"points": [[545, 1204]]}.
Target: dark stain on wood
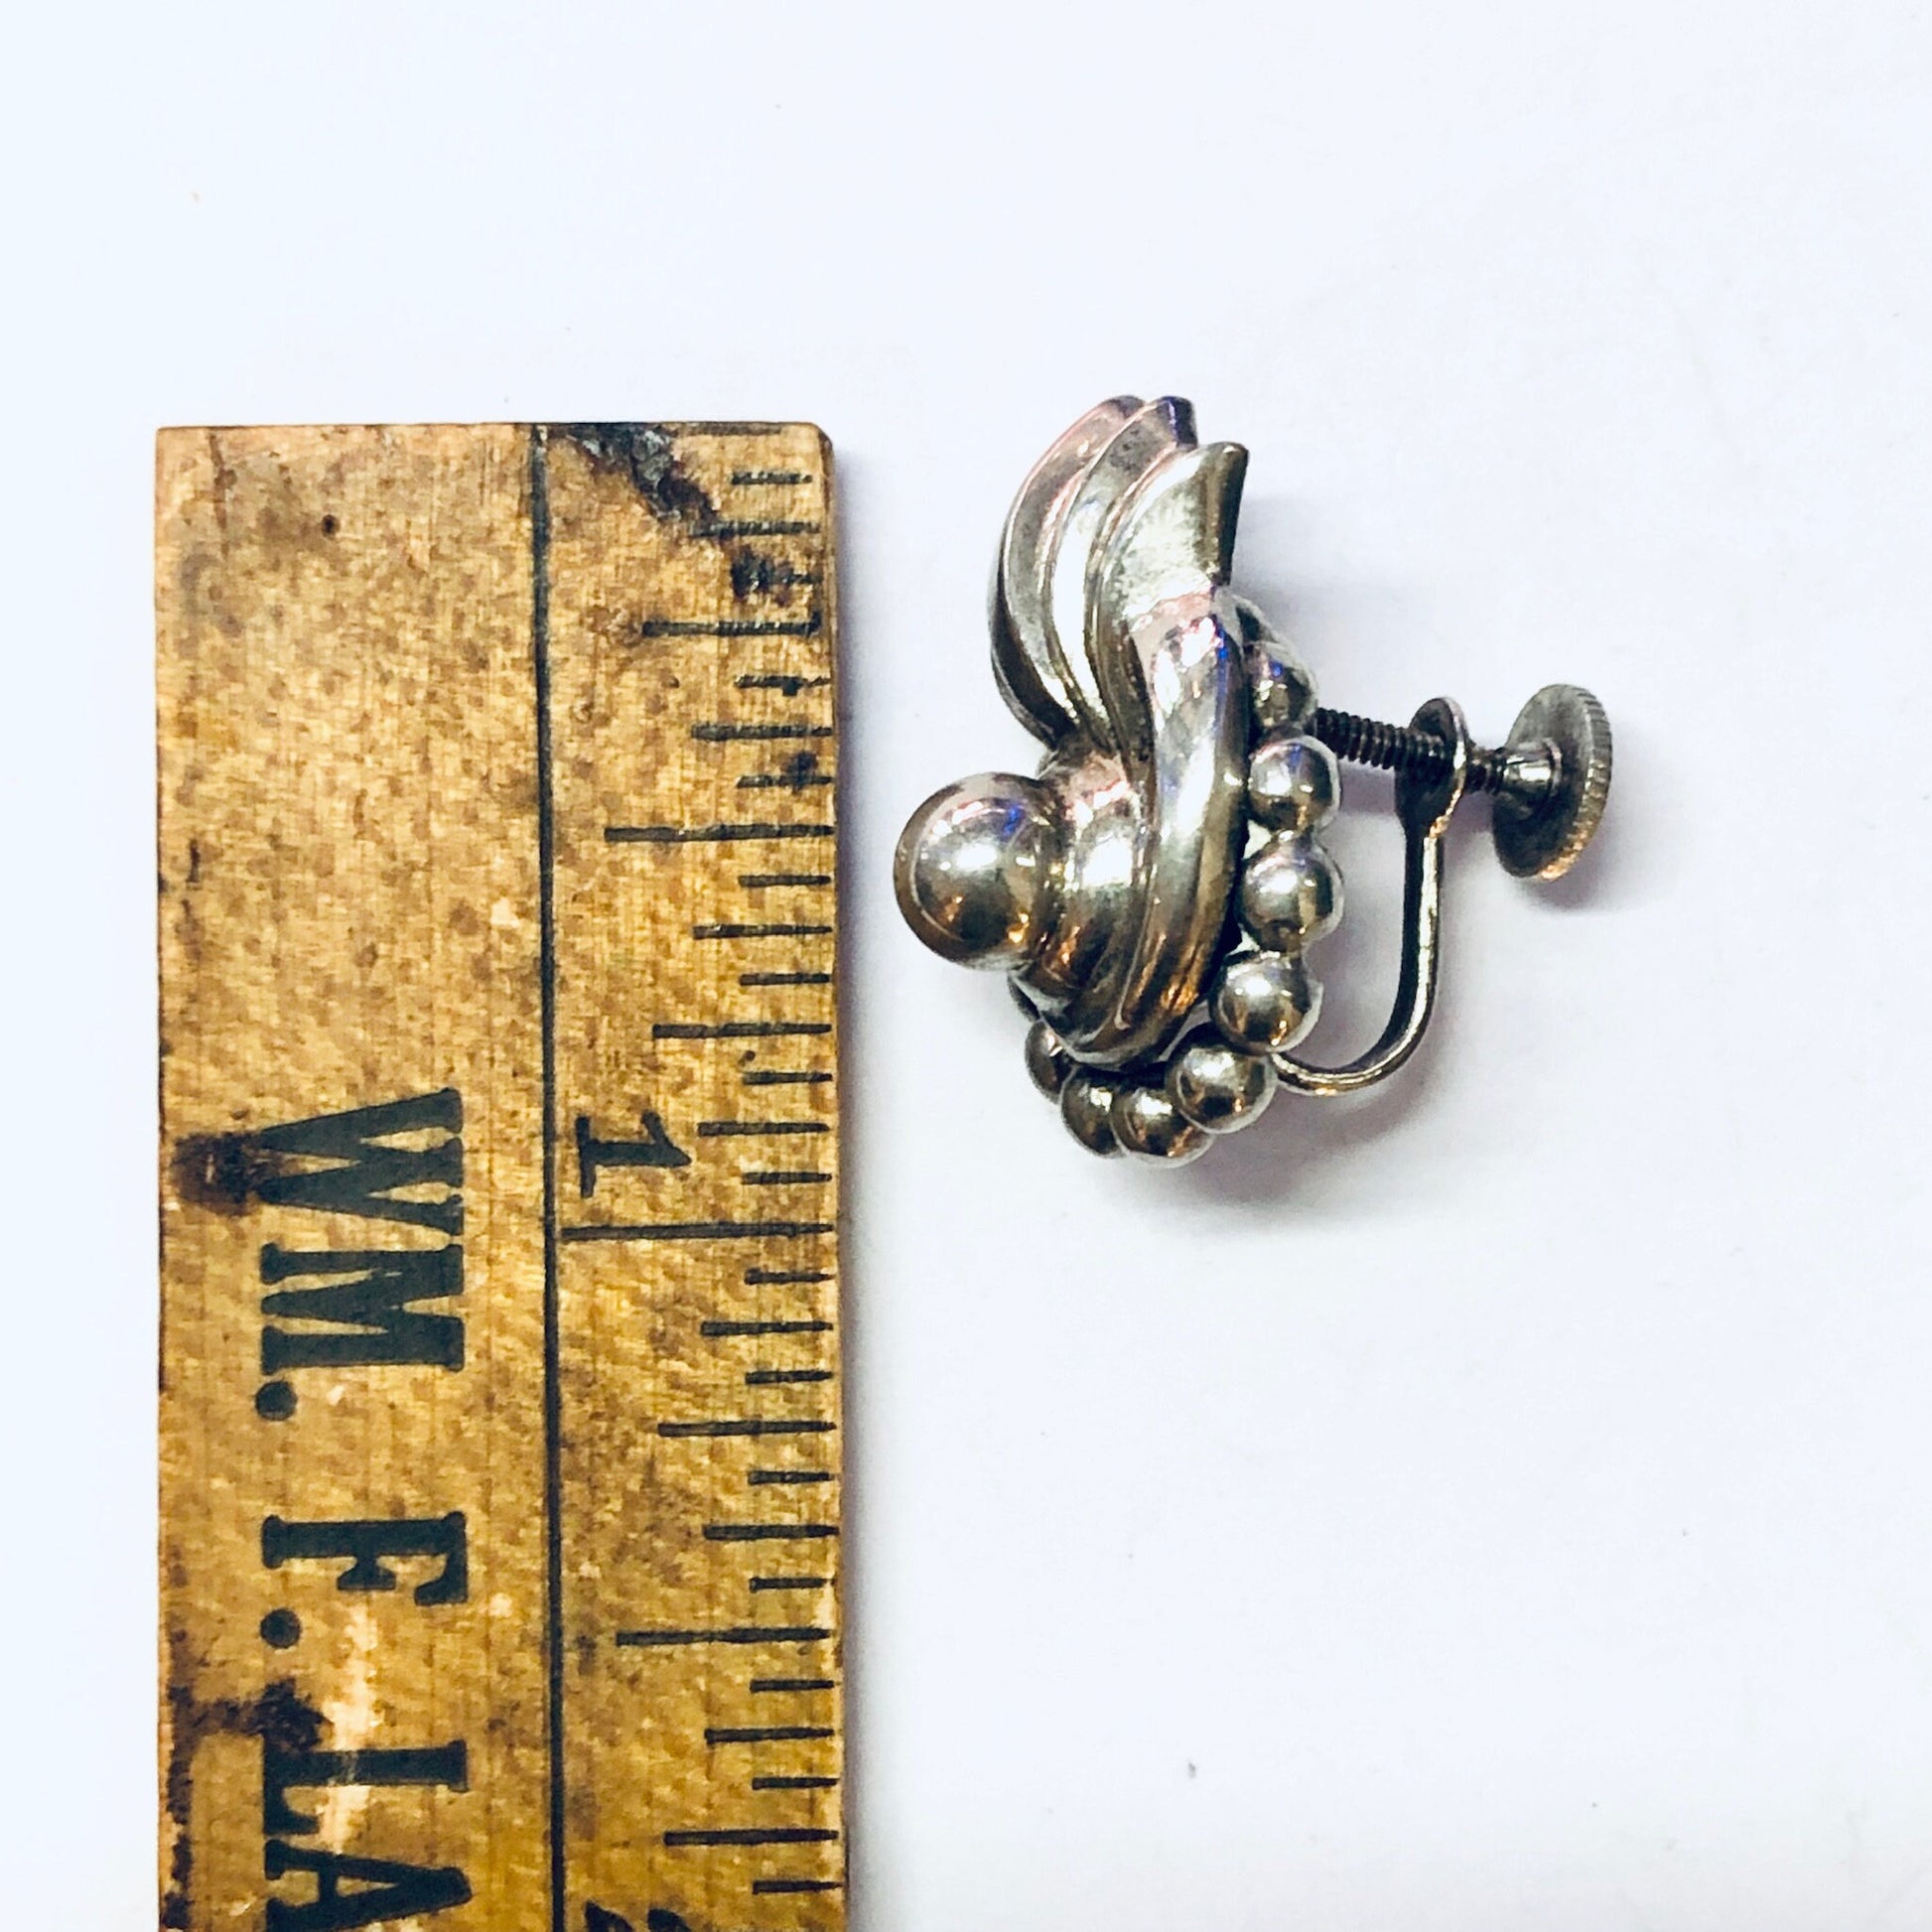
{"points": [[223, 1172], [278, 1717], [647, 455]]}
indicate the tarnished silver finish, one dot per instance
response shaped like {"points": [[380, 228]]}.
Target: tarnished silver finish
{"points": [[1099, 820], [1150, 1127], [1219, 1088], [1026, 663], [1280, 694], [1187, 777], [1556, 781], [1104, 887], [1293, 783], [1290, 893], [1047, 1061], [1425, 805], [1264, 1002], [1551, 780], [1086, 1105], [978, 865]]}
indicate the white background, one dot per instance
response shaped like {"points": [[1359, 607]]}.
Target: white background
{"points": [[1501, 1503]]}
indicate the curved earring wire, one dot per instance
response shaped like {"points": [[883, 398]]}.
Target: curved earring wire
{"points": [[1424, 806]]}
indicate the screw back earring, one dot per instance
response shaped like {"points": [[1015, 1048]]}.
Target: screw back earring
{"points": [[1153, 891]]}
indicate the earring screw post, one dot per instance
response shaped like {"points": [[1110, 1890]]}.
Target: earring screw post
{"points": [[1549, 780]]}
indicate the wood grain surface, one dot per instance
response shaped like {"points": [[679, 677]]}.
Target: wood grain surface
{"points": [[500, 1180]]}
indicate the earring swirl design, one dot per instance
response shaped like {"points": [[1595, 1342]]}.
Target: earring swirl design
{"points": [[1154, 889], [1179, 801]]}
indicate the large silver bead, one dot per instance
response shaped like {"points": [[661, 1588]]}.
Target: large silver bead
{"points": [[1149, 1126], [1293, 783], [1290, 893], [1264, 1002], [1217, 1086], [975, 869], [1047, 1061], [1087, 1103]]}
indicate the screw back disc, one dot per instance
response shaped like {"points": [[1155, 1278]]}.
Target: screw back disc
{"points": [[1543, 837]]}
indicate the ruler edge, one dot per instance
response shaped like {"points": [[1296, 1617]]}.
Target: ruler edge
{"points": [[172, 436]]}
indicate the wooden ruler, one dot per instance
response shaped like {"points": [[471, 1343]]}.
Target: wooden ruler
{"points": [[500, 1172]]}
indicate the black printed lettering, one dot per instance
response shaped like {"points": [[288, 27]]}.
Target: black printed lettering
{"points": [[374, 1300], [656, 1150], [283, 1771], [365, 1177], [368, 1543], [385, 1891]]}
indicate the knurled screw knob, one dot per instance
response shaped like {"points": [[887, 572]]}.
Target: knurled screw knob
{"points": [[1549, 779]]}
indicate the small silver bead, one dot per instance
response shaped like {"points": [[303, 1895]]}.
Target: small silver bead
{"points": [[1290, 893], [1046, 1059], [1151, 1128], [1280, 694], [1086, 1102], [1293, 784], [1264, 1002], [1217, 1086]]}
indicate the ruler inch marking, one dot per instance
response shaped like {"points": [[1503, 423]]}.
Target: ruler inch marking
{"points": [[747, 1426], [694, 1230], [665, 596], [729, 627], [778, 681], [716, 833], [732, 930], [767, 1733], [761, 527], [723, 1329], [728, 731], [706, 1834], [739, 1029], [740, 1634], [767, 1532]]}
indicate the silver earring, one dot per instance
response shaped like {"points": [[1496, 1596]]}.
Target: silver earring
{"points": [[1153, 891]]}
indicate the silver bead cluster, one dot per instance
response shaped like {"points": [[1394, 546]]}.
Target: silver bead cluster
{"points": [[1263, 999]]}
